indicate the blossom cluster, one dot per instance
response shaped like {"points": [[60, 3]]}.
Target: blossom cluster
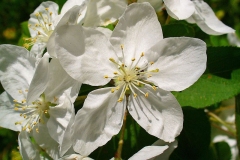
{"points": [[135, 67]]}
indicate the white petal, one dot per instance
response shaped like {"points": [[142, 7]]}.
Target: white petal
{"points": [[8, 116], [207, 21], [70, 18], [179, 9], [27, 149], [156, 4], [40, 80], [17, 67], [60, 117], [91, 67], [137, 30], [148, 152], [71, 3], [181, 62], [103, 12], [75, 157], [45, 141], [166, 154], [100, 118], [107, 32], [59, 82], [233, 39], [159, 114]]}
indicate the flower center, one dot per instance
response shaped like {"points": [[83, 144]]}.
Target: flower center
{"points": [[132, 77], [33, 114], [43, 28]]}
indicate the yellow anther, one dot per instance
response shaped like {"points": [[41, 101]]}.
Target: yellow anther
{"points": [[15, 100], [46, 111], [121, 46], [49, 24], [127, 89], [154, 88], [115, 73], [20, 91], [36, 25], [155, 70], [39, 33], [106, 76], [55, 99], [36, 14], [149, 75], [146, 94], [112, 60], [137, 68], [112, 90], [142, 54], [117, 88], [46, 9], [37, 130], [51, 13], [24, 128], [24, 116], [135, 95], [133, 59], [17, 123], [123, 65], [23, 108], [34, 123], [120, 100], [26, 90], [151, 63], [15, 108], [24, 100]]}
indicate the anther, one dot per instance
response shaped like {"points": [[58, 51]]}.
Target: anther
{"points": [[115, 73], [112, 90], [146, 94], [151, 63], [112, 60], [142, 54], [105, 76], [133, 59], [135, 95], [121, 46], [154, 88]]}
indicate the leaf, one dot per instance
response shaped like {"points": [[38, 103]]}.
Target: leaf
{"points": [[208, 90], [219, 40], [25, 33], [194, 140], [222, 150], [237, 120], [177, 30], [221, 61]]}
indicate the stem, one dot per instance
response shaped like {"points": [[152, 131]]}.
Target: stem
{"points": [[237, 120], [120, 142], [167, 20]]}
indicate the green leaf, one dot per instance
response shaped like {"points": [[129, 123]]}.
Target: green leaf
{"points": [[221, 61], [219, 40], [194, 140], [237, 120], [208, 90], [223, 151], [24, 28], [25, 33], [177, 30]]}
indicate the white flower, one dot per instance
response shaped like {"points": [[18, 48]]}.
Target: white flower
{"points": [[199, 12], [233, 39], [45, 19], [159, 150], [75, 157], [42, 97], [141, 64]]}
